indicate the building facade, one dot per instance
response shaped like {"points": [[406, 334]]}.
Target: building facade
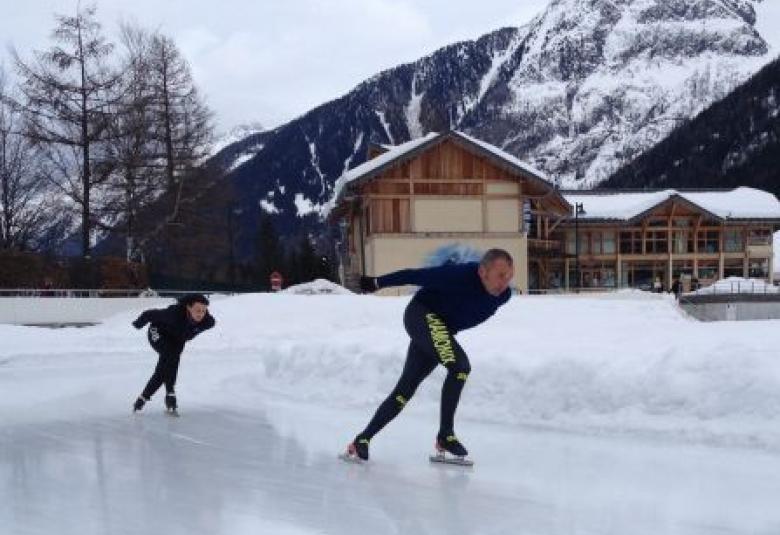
{"points": [[641, 239], [443, 197], [448, 197]]}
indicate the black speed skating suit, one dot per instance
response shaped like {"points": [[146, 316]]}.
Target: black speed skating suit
{"points": [[170, 328]]}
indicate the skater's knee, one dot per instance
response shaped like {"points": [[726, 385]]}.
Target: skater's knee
{"points": [[461, 371]]}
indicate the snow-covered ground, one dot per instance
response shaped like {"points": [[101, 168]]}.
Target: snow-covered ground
{"points": [[584, 414], [738, 285]]}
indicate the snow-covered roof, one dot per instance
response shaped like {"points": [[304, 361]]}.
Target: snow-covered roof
{"points": [[375, 165], [739, 203]]}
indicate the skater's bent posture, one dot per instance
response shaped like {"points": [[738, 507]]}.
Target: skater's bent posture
{"points": [[170, 329], [451, 298]]}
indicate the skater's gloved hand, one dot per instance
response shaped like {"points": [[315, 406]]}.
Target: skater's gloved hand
{"points": [[139, 323], [368, 284]]}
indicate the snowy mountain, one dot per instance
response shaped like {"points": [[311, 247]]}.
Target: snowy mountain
{"points": [[596, 83], [238, 145], [583, 88], [735, 142]]}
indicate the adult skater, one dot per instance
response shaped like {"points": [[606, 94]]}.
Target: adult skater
{"points": [[170, 329], [451, 298]]}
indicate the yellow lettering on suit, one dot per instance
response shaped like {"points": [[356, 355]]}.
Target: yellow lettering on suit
{"points": [[442, 341]]}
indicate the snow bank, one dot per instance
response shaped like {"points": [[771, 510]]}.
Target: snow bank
{"points": [[624, 363], [738, 285], [319, 286]]}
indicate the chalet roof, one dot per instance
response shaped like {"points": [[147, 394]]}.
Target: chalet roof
{"points": [[408, 150], [738, 204]]}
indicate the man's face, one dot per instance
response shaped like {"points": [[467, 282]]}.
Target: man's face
{"points": [[496, 276], [197, 311]]}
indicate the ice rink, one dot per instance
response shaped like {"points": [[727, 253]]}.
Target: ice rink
{"points": [[214, 471], [571, 433]]}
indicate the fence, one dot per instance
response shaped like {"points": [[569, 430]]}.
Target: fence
{"points": [[77, 306]]}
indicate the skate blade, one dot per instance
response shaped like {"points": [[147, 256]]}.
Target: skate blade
{"points": [[172, 414], [352, 459], [440, 458]]}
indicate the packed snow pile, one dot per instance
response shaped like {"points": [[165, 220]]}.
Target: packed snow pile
{"points": [[319, 286], [592, 364], [738, 285]]}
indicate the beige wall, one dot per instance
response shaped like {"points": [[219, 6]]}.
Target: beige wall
{"points": [[759, 251], [446, 215], [503, 215], [465, 215], [391, 253]]}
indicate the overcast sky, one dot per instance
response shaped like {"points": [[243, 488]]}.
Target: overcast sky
{"points": [[268, 61]]}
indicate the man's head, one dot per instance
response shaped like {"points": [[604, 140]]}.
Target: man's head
{"points": [[197, 306], [496, 270]]}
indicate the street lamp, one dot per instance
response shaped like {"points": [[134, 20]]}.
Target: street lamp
{"points": [[578, 210]]}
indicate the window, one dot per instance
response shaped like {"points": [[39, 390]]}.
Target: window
{"points": [[682, 242], [708, 241], [758, 268], [759, 236], [584, 241], [595, 243], [609, 242], [657, 242], [708, 270], [734, 267], [631, 242], [598, 277], [682, 267], [388, 216], [570, 248], [734, 240], [642, 275]]}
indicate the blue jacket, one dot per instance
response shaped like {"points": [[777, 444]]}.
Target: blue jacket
{"points": [[453, 291]]}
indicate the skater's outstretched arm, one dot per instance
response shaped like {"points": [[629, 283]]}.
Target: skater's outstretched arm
{"points": [[163, 318], [451, 276], [145, 318]]}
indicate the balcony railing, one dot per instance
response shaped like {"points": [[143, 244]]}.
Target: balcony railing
{"points": [[545, 247]]}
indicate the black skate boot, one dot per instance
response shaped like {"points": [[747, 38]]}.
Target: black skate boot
{"points": [[170, 404], [448, 443], [357, 450], [139, 403]]}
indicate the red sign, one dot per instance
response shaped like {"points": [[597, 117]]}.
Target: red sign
{"points": [[276, 281]]}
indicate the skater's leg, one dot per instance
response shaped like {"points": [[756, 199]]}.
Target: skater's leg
{"points": [[457, 374], [450, 355], [417, 367], [156, 380], [171, 371], [167, 364]]}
